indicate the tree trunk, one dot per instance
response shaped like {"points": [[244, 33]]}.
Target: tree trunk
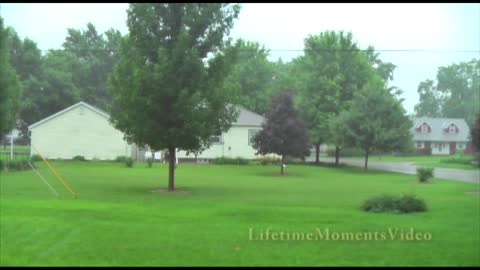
{"points": [[337, 155], [281, 166], [171, 168], [366, 159], [317, 153]]}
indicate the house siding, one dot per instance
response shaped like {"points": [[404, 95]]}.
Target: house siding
{"points": [[79, 131], [234, 144]]}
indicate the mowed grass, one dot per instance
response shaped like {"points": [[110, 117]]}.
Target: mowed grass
{"points": [[116, 220], [21, 152]]}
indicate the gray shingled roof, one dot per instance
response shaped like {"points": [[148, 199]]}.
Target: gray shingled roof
{"points": [[437, 134], [248, 118]]}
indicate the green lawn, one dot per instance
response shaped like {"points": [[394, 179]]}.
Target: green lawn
{"points": [[432, 161], [115, 220], [20, 152]]}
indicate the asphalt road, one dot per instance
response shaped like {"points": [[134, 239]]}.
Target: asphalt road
{"points": [[469, 176]]}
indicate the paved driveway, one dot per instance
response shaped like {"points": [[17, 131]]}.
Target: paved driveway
{"points": [[469, 176]]}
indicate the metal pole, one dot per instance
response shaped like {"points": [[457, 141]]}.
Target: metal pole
{"points": [[11, 145], [176, 156], [45, 181], [54, 172]]}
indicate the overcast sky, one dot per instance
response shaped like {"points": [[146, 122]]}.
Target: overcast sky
{"points": [[438, 28]]}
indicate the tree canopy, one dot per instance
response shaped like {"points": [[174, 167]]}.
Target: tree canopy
{"points": [[10, 88], [376, 120], [92, 57], [332, 69], [167, 87], [455, 94], [284, 132], [252, 76]]}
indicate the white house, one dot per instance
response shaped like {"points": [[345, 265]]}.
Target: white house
{"points": [[236, 142], [80, 129]]}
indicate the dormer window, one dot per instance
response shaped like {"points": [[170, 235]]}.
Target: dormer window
{"points": [[424, 128], [452, 129]]}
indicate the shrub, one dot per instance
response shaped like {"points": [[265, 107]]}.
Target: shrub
{"points": [[121, 159], [149, 162], [380, 203], [390, 203], [410, 203], [269, 160], [293, 160], [35, 158], [17, 165], [232, 161], [79, 158], [424, 173], [1, 165], [129, 162]]}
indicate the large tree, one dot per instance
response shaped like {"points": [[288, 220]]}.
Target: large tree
{"points": [[25, 57], [10, 88], [252, 76], [430, 102], [167, 88], [53, 90], [376, 120], [284, 132], [93, 56], [332, 69], [456, 93]]}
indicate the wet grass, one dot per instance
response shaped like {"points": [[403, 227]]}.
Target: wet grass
{"points": [[116, 221]]}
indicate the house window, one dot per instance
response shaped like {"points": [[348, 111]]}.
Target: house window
{"points": [[216, 139], [424, 128], [419, 145], [251, 134], [452, 129], [460, 145]]}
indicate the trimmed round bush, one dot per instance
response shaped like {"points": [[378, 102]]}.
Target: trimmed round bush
{"points": [[424, 174], [395, 204], [129, 162]]}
